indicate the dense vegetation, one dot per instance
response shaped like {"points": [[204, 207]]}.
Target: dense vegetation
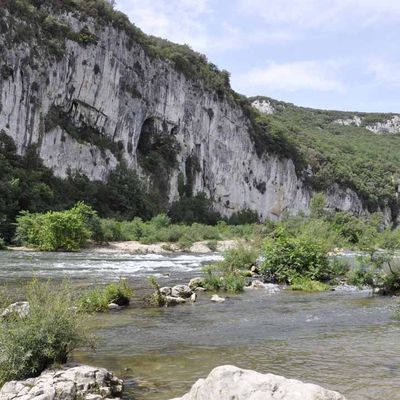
{"points": [[27, 185], [349, 156]]}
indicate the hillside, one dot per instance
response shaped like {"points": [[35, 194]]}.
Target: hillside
{"points": [[93, 109]]}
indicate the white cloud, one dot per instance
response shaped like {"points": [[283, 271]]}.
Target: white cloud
{"points": [[300, 75], [198, 24], [384, 72], [179, 21], [325, 14]]}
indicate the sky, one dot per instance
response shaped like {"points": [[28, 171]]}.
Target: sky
{"points": [[331, 54]]}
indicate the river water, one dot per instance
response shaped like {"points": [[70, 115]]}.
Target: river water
{"points": [[346, 341]]}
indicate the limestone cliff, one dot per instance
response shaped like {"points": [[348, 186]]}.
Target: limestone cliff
{"points": [[105, 100]]}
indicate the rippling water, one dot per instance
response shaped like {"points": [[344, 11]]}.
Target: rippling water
{"points": [[344, 341]]}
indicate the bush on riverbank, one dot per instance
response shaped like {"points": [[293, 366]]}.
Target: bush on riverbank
{"points": [[308, 285], [58, 230], [229, 274], [98, 299], [286, 258], [47, 335]]}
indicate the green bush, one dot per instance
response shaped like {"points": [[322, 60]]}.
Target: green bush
{"points": [[56, 230], [360, 276], [241, 257], [217, 277], [156, 299], [98, 299], [286, 258], [52, 329], [308, 285]]}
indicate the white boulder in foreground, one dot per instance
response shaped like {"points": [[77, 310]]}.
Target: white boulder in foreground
{"points": [[77, 383], [232, 383]]}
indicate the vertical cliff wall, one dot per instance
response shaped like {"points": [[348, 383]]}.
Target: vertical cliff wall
{"points": [[103, 100]]}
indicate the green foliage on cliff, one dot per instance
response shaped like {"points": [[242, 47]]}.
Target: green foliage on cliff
{"points": [[42, 19], [349, 156]]}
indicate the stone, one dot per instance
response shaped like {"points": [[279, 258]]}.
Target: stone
{"points": [[196, 282], [217, 299], [181, 291], [113, 307], [229, 382], [200, 289], [254, 269], [75, 383], [173, 301], [166, 291], [193, 297], [21, 309]]}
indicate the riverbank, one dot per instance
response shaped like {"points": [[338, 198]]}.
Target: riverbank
{"points": [[136, 247]]}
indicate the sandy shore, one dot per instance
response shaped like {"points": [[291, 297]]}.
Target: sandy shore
{"points": [[134, 247], [156, 248]]}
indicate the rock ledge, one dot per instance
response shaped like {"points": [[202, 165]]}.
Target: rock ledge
{"points": [[76, 383], [229, 382]]}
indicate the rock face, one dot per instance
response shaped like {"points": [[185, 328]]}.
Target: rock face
{"points": [[77, 383], [124, 96], [125, 99], [229, 382]]}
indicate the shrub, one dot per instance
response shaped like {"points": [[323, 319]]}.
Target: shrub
{"points": [[308, 285], [241, 257], [286, 258], [98, 299], [156, 299], [56, 230], [217, 277], [51, 330], [360, 276]]}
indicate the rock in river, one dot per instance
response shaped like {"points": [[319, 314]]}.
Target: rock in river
{"points": [[77, 383], [181, 291], [217, 298], [229, 382], [196, 282]]}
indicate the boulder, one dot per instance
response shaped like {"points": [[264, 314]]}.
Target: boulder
{"points": [[77, 383], [229, 382], [193, 298], [166, 291], [217, 298], [173, 301], [20, 309], [113, 307], [181, 291], [196, 282]]}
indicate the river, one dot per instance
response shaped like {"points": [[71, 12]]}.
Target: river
{"points": [[346, 341]]}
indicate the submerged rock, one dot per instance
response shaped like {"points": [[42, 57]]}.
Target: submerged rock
{"points": [[77, 383], [20, 309], [217, 298], [181, 291], [229, 382]]}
